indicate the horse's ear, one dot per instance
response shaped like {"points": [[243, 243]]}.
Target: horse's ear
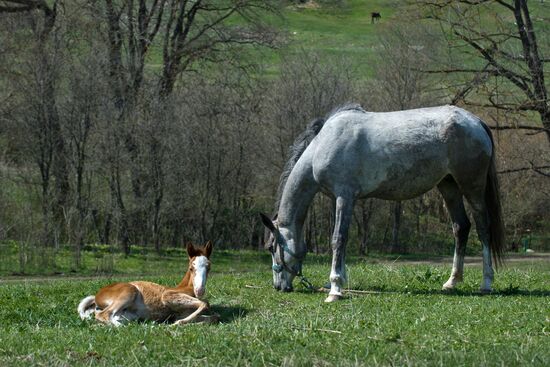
{"points": [[208, 248], [267, 222], [191, 250]]}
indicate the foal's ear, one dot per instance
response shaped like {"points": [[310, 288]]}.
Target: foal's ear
{"points": [[208, 248], [267, 222], [191, 250]]}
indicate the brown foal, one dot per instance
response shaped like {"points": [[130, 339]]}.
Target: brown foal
{"points": [[118, 303]]}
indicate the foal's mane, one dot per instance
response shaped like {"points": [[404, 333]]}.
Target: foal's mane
{"points": [[303, 140]]}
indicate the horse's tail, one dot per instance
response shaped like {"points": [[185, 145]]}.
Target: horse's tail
{"points": [[492, 199], [86, 307]]}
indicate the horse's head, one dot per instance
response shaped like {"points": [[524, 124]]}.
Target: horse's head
{"points": [[199, 266], [286, 260]]}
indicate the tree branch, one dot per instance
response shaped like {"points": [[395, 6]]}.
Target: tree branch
{"points": [[513, 77], [537, 169], [519, 127], [13, 6]]}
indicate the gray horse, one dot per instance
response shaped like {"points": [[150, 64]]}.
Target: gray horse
{"points": [[354, 154]]}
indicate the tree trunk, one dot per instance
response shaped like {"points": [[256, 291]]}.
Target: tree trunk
{"points": [[116, 195], [545, 117], [366, 215], [396, 246]]}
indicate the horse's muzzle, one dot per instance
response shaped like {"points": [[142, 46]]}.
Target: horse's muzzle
{"points": [[199, 292]]}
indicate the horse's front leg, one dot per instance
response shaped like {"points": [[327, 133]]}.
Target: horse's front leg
{"points": [[181, 303], [343, 215]]}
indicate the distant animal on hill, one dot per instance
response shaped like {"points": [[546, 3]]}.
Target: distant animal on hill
{"points": [[375, 17], [354, 154], [118, 303]]}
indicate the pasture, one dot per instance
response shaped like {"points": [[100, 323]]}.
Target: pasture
{"points": [[343, 30], [402, 318], [142, 178]]}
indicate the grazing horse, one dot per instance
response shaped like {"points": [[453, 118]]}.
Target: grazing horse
{"points": [[375, 17], [121, 302], [354, 154]]}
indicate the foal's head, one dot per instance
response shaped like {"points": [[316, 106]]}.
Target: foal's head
{"points": [[199, 266]]}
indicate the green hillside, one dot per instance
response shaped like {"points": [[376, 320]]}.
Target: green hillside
{"points": [[344, 28], [338, 30]]}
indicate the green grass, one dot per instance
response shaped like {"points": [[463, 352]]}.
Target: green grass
{"points": [[328, 30], [104, 260], [333, 31], [406, 320]]}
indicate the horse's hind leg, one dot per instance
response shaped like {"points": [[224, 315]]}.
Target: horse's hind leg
{"points": [[344, 211], [114, 313], [461, 228], [476, 198]]}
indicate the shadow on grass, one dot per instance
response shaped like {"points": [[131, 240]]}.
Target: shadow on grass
{"points": [[503, 292], [229, 313], [508, 292]]}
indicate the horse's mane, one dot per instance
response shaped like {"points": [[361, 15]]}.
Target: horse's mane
{"points": [[303, 140]]}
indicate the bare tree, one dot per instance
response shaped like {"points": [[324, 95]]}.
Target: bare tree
{"points": [[199, 30], [80, 114], [40, 89], [363, 217], [188, 32], [309, 86], [400, 85], [20, 6], [494, 48]]}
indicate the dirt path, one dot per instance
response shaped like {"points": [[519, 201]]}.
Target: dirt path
{"points": [[473, 260], [48, 278]]}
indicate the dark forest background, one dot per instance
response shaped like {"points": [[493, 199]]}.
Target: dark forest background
{"points": [[144, 124]]}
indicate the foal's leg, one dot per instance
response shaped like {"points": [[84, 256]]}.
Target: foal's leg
{"points": [[461, 228], [343, 215], [114, 312], [181, 302], [208, 319], [481, 217]]}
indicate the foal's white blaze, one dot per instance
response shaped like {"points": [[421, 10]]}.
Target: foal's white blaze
{"points": [[200, 264]]}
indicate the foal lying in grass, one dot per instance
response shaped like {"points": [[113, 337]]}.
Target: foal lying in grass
{"points": [[121, 302]]}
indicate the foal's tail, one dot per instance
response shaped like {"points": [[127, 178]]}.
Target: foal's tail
{"points": [[86, 307], [492, 198]]}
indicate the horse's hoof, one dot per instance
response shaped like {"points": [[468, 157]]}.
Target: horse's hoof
{"points": [[214, 319], [332, 298], [447, 287]]}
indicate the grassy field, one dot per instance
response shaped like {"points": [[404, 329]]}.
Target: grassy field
{"points": [[342, 31], [404, 320]]}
